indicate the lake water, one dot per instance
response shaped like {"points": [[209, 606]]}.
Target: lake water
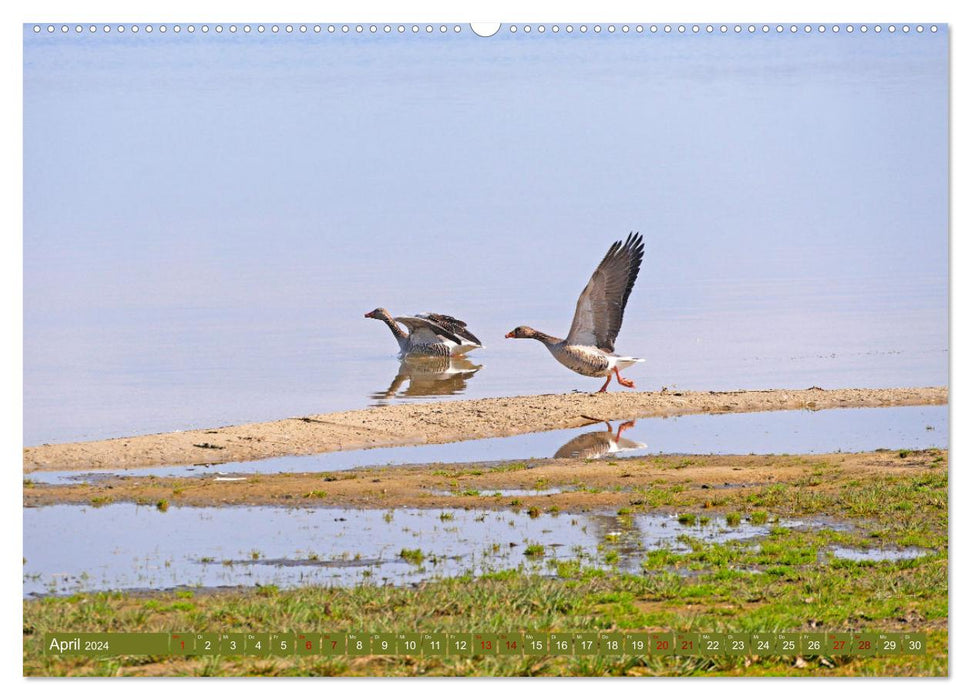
{"points": [[207, 218]]}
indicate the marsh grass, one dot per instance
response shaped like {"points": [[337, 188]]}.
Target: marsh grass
{"points": [[794, 593]]}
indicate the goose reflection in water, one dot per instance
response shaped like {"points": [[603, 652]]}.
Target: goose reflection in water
{"points": [[599, 443], [429, 376]]}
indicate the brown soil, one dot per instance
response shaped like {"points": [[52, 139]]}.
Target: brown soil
{"points": [[698, 480], [415, 424]]}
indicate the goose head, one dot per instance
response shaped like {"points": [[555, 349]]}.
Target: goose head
{"points": [[521, 332], [379, 314]]}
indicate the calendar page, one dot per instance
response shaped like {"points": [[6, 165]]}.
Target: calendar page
{"points": [[428, 348]]}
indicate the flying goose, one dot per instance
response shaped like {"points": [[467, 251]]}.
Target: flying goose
{"points": [[434, 335], [588, 349]]}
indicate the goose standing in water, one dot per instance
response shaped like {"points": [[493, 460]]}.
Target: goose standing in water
{"points": [[588, 348], [434, 335]]}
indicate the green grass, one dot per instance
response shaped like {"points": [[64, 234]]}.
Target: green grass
{"points": [[534, 550], [412, 556], [792, 594]]}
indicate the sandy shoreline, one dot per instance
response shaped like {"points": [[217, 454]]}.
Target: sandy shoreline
{"points": [[440, 422]]}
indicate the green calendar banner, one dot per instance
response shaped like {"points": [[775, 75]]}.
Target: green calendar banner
{"points": [[530, 643]]}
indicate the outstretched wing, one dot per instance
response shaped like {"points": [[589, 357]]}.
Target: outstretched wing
{"points": [[418, 325], [453, 325], [600, 309]]}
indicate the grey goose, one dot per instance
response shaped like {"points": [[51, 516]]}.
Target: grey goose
{"points": [[588, 348], [431, 335]]}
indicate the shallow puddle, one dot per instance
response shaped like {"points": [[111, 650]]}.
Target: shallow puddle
{"points": [[81, 548], [877, 554], [772, 432], [499, 493]]}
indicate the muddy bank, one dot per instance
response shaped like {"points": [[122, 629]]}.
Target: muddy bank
{"points": [[563, 484], [416, 424]]}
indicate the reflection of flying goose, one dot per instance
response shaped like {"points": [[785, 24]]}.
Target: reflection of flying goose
{"points": [[589, 347], [430, 376], [599, 443], [436, 335]]}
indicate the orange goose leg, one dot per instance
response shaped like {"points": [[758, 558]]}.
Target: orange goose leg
{"points": [[620, 380], [604, 387]]}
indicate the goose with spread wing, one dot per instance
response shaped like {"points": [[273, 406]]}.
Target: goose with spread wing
{"points": [[588, 349], [434, 335]]}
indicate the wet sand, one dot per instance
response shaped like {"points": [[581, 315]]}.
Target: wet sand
{"points": [[564, 484], [440, 422]]}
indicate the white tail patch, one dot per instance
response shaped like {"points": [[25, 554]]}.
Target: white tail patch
{"points": [[624, 362]]}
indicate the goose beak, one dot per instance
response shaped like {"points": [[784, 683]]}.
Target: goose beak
{"points": [[510, 335], [369, 315]]}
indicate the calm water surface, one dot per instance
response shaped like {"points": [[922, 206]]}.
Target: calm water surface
{"points": [[207, 218], [67, 550]]}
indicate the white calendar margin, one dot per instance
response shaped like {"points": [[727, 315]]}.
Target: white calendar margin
{"points": [[707, 11]]}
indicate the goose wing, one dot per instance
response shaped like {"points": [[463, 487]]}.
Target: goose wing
{"points": [[600, 308], [452, 324], [419, 326]]}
